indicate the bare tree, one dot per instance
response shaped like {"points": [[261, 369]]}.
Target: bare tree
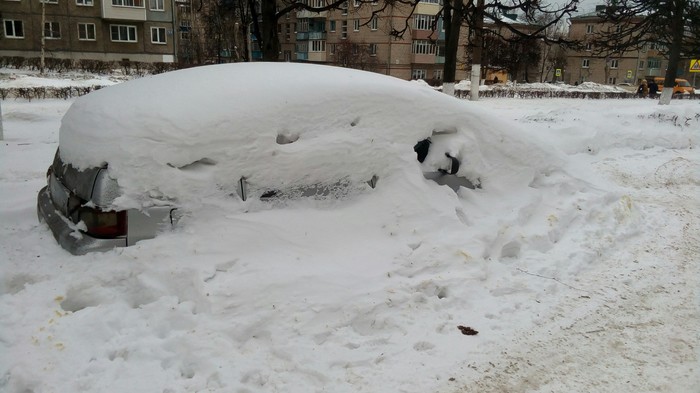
{"points": [[553, 57], [476, 14], [673, 25], [219, 20], [350, 54], [516, 57]]}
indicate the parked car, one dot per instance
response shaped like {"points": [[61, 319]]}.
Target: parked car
{"points": [[134, 157], [682, 86]]}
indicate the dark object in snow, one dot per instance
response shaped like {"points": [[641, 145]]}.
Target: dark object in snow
{"points": [[421, 148], [467, 331], [454, 165]]}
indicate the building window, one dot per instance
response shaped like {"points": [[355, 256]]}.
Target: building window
{"points": [[356, 25], [653, 63], [304, 25], [589, 46], [614, 63], [14, 28], [586, 63], [641, 65], [302, 47], [612, 80], [423, 22], [589, 29], [52, 30], [372, 49], [157, 5], [437, 74], [419, 74], [344, 29], [84, 2], [49, 1], [423, 47], [374, 23], [318, 46], [332, 26], [332, 48], [128, 3], [185, 28], [357, 3], [344, 8], [158, 35], [618, 29], [123, 33], [86, 32], [656, 46]]}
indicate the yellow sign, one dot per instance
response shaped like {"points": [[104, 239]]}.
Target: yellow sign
{"points": [[695, 65], [629, 74], [557, 72]]}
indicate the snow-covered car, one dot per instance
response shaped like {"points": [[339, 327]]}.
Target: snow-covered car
{"points": [[133, 156]]}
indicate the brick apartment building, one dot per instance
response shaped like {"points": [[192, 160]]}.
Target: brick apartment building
{"points": [[353, 36], [174, 30], [628, 67], [108, 30]]}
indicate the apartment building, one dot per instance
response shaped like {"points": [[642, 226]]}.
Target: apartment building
{"points": [[359, 36], [627, 67], [108, 30]]}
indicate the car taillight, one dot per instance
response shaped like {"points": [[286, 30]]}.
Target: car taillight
{"points": [[103, 224]]}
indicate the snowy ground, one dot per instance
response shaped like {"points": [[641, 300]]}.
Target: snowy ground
{"points": [[585, 280]]}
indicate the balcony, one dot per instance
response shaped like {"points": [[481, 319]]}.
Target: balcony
{"points": [[426, 35], [124, 10], [424, 59], [311, 35], [309, 14], [317, 56]]}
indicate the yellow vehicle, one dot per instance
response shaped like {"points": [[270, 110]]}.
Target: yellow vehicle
{"points": [[682, 86]]}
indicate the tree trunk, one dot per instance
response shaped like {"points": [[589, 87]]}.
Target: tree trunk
{"points": [[477, 49], [269, 40], [452, 19], [674, 57]]}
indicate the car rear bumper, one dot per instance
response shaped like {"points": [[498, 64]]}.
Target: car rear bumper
{"points": [[71, 239]]}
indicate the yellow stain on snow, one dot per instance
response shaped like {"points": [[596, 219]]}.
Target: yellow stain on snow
{"points": [[465, 255], [627, 202]]}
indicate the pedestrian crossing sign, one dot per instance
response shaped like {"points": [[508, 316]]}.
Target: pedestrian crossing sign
{"points": [[695, 65]]}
